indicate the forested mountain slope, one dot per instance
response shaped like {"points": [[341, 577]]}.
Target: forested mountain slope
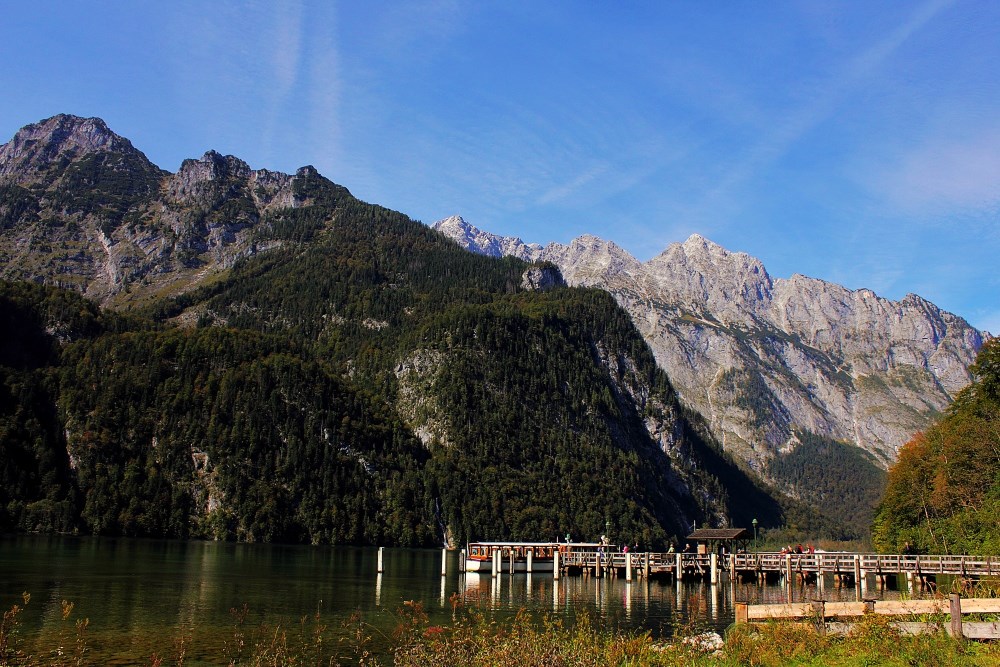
{"points": [[812, 386], [944, 492], [299, 365]]}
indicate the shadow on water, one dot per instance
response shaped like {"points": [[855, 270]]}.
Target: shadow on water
{"points": [[145, 596]]}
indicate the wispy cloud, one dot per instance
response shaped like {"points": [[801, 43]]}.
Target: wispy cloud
{"points": [[284, 44], [565, 190], [946, 175], [793, 125]]}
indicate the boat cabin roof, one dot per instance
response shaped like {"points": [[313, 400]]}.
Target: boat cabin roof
{"points": [[538, 544]]}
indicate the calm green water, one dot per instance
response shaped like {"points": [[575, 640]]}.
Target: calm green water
{"points": [[141, 596]]}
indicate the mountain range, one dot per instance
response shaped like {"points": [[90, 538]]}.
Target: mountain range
{"points": [[232, 353], [766, 360], [473, 390]]}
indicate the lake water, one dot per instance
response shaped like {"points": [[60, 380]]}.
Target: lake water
{"points": [[142, 596]]}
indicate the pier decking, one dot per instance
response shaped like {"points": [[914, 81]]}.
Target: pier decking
{"points": [[855, 567], [846, 568]]}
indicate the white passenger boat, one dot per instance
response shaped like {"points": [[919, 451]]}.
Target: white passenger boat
{"points": [[520, 556]]}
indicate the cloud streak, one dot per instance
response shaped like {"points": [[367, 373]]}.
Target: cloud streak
{"points": [[947, 175], [787, 130]]}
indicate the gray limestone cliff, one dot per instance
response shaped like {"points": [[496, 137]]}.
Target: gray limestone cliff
{"points": [[764, 359], [81, 208]]}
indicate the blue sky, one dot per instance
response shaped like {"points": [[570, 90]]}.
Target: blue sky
{"points": [[857, 142]]}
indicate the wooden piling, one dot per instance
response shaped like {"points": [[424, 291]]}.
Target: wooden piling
{"points": [[713, 568], [678, 567], [819, 614], [444, 562], [742, 613], [555, 565], [628, 567], [531, 557], [955, 607], [380, 560]]}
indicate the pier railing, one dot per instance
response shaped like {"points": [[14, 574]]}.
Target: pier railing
{"points": [[855, 567], [838, 562], [819, 611]]}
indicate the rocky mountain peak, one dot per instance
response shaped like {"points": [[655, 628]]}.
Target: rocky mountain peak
{"points": [[763, 359], [590, 260], [307, 171], [485, 243], [62, 138], [211, 167], [705, 277], [214, 166]]}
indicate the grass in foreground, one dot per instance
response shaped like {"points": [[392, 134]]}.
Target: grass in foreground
{"points": [[475, 639]]}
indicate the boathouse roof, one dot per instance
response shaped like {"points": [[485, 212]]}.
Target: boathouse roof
{"points": [[717, 534]]}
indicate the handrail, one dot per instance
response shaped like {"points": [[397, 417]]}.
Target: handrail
{"points": [[820, 610]]}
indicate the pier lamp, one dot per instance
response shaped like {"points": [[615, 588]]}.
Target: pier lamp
{"points": [[607, 530], [754, 522]]}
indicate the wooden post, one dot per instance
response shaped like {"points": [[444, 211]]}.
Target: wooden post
{"points": [[857, 570], [531, 559], [628, 566], [511, 552], [645, 566], [819, 611], [678, 566], [713, 568], [732, 567], [555, 564], [444, 562], [742, 613], [496, 562], [788, 569], [380, 560], [956, 616]]}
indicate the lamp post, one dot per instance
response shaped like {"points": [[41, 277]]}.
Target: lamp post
{"points": [[754, 522], [607, 530]]}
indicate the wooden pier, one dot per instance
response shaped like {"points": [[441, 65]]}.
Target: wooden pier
{"points": [[854, 568], [846, 568], [600, 560]]}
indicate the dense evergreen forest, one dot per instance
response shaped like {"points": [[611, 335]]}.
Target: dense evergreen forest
{"points": [[943, 493], [365, 381], [843, 480]]}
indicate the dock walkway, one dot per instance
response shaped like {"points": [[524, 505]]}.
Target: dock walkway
{"points": [[848, 568]]}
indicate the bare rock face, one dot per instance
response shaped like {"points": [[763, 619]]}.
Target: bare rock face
{"points": [[542, 278], [763, 359], [81, 208], [485, 243], [38, 149]]}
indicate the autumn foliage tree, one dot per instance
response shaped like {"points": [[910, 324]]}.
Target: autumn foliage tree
{"points": [[943, 494]]}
